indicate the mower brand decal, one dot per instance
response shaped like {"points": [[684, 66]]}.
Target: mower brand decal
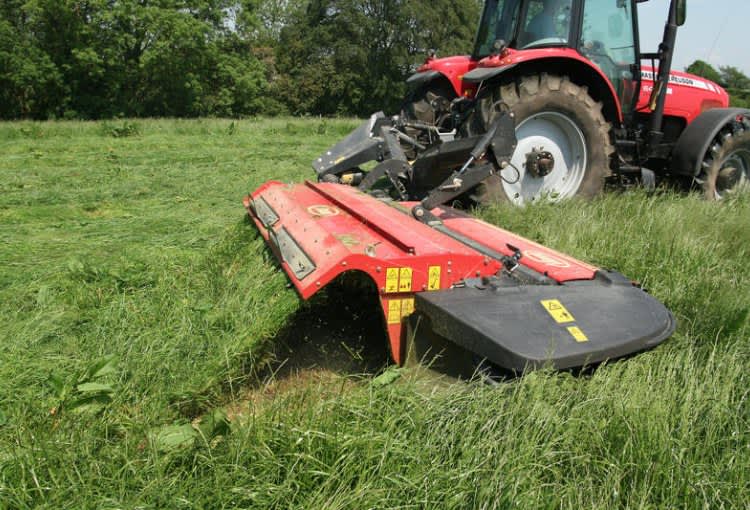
{"points": [[433, 280], [398, 309], [558, 312], [323, 211], [576, 333], [545, 258], [348, 240], [391, 280], [404, 280]]}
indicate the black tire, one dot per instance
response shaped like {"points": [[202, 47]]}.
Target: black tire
{"points": [[555, 98], [726, 165], [430, 104]]}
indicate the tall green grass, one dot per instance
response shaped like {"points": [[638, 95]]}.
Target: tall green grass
{"points": [[125, 241]]}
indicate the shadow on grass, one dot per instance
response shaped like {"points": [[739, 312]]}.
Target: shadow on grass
{"points": [[339, 332]]}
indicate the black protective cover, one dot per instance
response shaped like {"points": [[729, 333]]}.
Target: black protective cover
{"points": [[511, 328], [360, 146]]}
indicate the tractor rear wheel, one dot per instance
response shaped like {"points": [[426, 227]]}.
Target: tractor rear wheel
{"points": [[564, 147], [726, 167]]}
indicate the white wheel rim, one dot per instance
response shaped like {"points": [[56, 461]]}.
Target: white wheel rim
{"points": [[738, 160], [557, 134]]}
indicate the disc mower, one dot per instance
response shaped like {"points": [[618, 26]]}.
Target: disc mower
{"points": [[553, 103]]}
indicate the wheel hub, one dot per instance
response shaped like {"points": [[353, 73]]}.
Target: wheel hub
{"points": [[550, 159], [539, 163]]}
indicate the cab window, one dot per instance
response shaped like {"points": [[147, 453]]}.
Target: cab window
{"points": [[607, 40], [546, 22]]}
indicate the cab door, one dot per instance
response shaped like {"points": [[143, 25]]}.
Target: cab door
{"points": [[609, 40]]}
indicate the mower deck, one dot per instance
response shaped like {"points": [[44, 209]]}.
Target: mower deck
{"points": [[551, 309]]}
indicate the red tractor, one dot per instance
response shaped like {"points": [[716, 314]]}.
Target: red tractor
{"points": [[552, 103], [585, 111]]}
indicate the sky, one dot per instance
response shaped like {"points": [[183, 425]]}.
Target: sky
{"points": [[716, 31]]}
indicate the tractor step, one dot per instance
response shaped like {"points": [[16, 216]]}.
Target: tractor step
{"points": [[480, 286]]}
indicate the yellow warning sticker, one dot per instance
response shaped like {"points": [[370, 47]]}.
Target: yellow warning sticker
{"points": [[558, 312], [433, 279], [391, 279], [404, 281], [579, 335], [407, 307], [394, 311]]}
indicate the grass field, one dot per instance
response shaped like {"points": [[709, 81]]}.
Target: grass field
{"points": [[139, 311]]}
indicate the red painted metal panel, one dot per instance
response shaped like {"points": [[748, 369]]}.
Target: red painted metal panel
{"points": [[340, 229], [687, 95], [556, 265]]}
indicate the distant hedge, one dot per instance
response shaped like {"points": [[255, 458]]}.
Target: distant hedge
{"points": [[184, 58]]}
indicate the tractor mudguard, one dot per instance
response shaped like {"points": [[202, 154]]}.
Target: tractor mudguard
{"points": [[481, 74], [420, 78], [463, 282], [694, 142]]}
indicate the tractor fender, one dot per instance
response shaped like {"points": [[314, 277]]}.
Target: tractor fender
{"points": [[562, 63], [694, 142], [481, 74], [420, 78]]}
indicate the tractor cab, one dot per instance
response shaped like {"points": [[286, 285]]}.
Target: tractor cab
{"points": [[602, 31]]}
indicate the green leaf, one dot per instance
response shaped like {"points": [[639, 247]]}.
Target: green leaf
{"points": [[94, 387], [214, 424], [172, 437], [57, 385], [89, 403], [3, 418], [101, 367], [388, 377]]}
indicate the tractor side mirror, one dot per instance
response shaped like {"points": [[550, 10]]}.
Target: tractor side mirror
{"points": [[681, 12]]}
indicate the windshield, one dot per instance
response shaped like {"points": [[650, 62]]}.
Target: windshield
{"points": [[542, 23]]}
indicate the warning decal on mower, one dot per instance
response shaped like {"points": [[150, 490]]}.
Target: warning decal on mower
{"points": [[433, 280], [404, 280], [398, 309], [398, 279], [391, 280], [579, 335], [407, 307], [558, 312]]}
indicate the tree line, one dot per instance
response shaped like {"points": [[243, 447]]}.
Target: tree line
{"points": [[95, 59]]}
